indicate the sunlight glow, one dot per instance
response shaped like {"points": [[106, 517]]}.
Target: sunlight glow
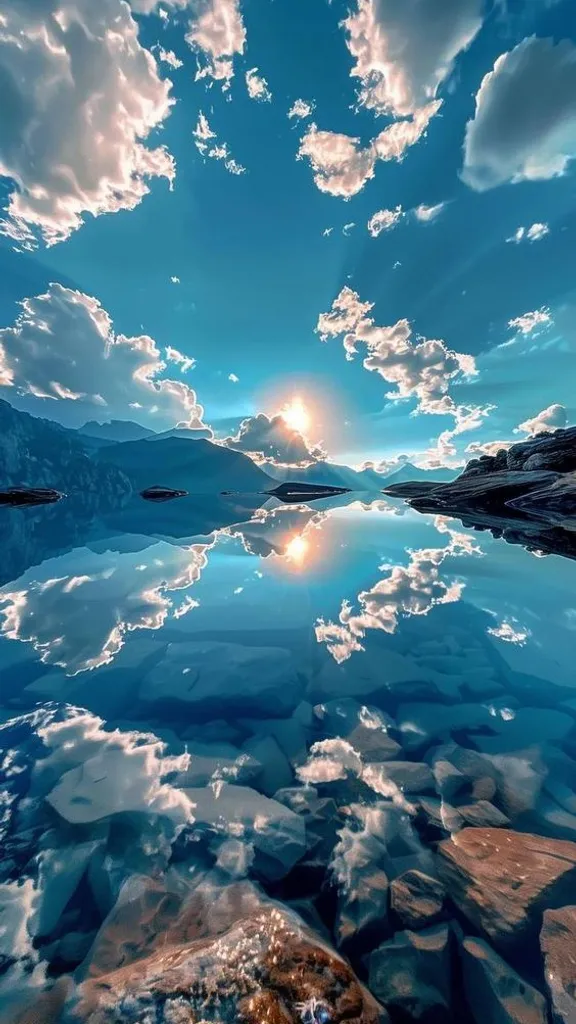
{"points": [[296, 415], [297, 549]]}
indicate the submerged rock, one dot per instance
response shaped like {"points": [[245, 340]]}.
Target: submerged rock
{"points": [[494, 991], [17, 496], [558, 944], [417, 899], [161, 493], [411, 974], [502, 881]]}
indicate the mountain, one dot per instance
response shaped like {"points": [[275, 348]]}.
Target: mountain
{"points": [[408, 472], [36, 452], [329, 474], [116, 430], [199, 467]]}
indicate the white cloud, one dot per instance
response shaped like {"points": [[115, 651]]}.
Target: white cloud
{"points": [[348, 228], [327, 232], [206, 142], [217, 35], [404, 52], [175, 280], [419, 368], [169, 57], [301, 109], [534, 233], [233, 378], [528, 322], [174, 356], [81, 97], [257, 86], [554, 417], [510, 632], [150, 6], [524, 126], [270, 439], [384, 220], [407, 590], [428, 213], [63, 347], [478, 448], [342, 166]]}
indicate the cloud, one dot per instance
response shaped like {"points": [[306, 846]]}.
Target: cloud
{"points": [[510, 632], [479, 448], [206, 142], [342, 166], [407, 590], [301, 109], [384, 220], [404, 52], [348, 228], [217, 35], [81, 96], [528, 322], [125, 592], [386, 466], [270, 439], [554, 417], [62, 347], [169, 57], [524, 126], [150, 6], [534, 233], [257, 87], [428, 213], [174, 356], [232, 377]]}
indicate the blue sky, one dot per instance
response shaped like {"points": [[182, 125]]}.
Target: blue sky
{"points": [[255, 268]]}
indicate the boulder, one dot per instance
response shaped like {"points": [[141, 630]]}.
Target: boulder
{"points": [[362, 912], [411, 974], [409, 776], [421, 724], [417, 899], [482, 814], [494, 991], [502, 881], [210, 678], [365, 728], [275, 772], [558, 944], [378, 671], [211, 761]]}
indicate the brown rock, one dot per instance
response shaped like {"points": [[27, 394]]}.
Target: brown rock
{"points": [[417, 898], [411, 974], [558, 943], [483, 814], [494, 991], [503, 881]]}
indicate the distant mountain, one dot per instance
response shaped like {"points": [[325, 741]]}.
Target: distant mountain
{"points": [[199, 467], [410, 472], [331, 475], [36, 452], [116, 430]]}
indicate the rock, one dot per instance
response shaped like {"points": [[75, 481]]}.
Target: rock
{"points": [[161, 494], [440, 814], [379, 671], [555, 504], [550, 819], [420, 724], [275, 772], [502, 881], [527, 726], [482, 814], [409, 776], [411, 974], [210, 678], [365, 728], [291, 735], [417, 899], [212, 761], [558, 944], [277, 834], [18, 496], [362, 912], [494, 991], [320, 816]]}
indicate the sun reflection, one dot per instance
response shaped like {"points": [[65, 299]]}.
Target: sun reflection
{"points": [[297, 550], [296, 415]]}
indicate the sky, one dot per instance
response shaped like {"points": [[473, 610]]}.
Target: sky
{"points": [[247, 217]]}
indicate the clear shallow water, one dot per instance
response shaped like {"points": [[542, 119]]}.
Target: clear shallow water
{"points": [[266, 649]]}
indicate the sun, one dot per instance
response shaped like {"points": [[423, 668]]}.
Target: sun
{"points": [[296, 415], [297, 549]]}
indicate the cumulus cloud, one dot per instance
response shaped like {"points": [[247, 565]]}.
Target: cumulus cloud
{"points": [[534, 233], [554, 417], [428, 213], [217, 36], [76, 145], [270, 439], [169, 57], [510, 632], [257, 86], [124, 592], [527, 323], [419, 368], [342, 166], [232, 377], [301, 109], [384, 220], [479, 448], [206, 142], [524, 126], [407, 590], [404, 52], [62, 347]]}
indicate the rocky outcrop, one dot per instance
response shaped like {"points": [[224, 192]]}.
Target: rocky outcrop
{"points": [[502, 881], [494, 991], [558, 944], [36, 453], [526, 494]]}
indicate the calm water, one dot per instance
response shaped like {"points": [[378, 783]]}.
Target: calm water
{"points": [[220, 630]]}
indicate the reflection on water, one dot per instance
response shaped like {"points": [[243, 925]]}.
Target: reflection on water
{"points": [[250, 756]]}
